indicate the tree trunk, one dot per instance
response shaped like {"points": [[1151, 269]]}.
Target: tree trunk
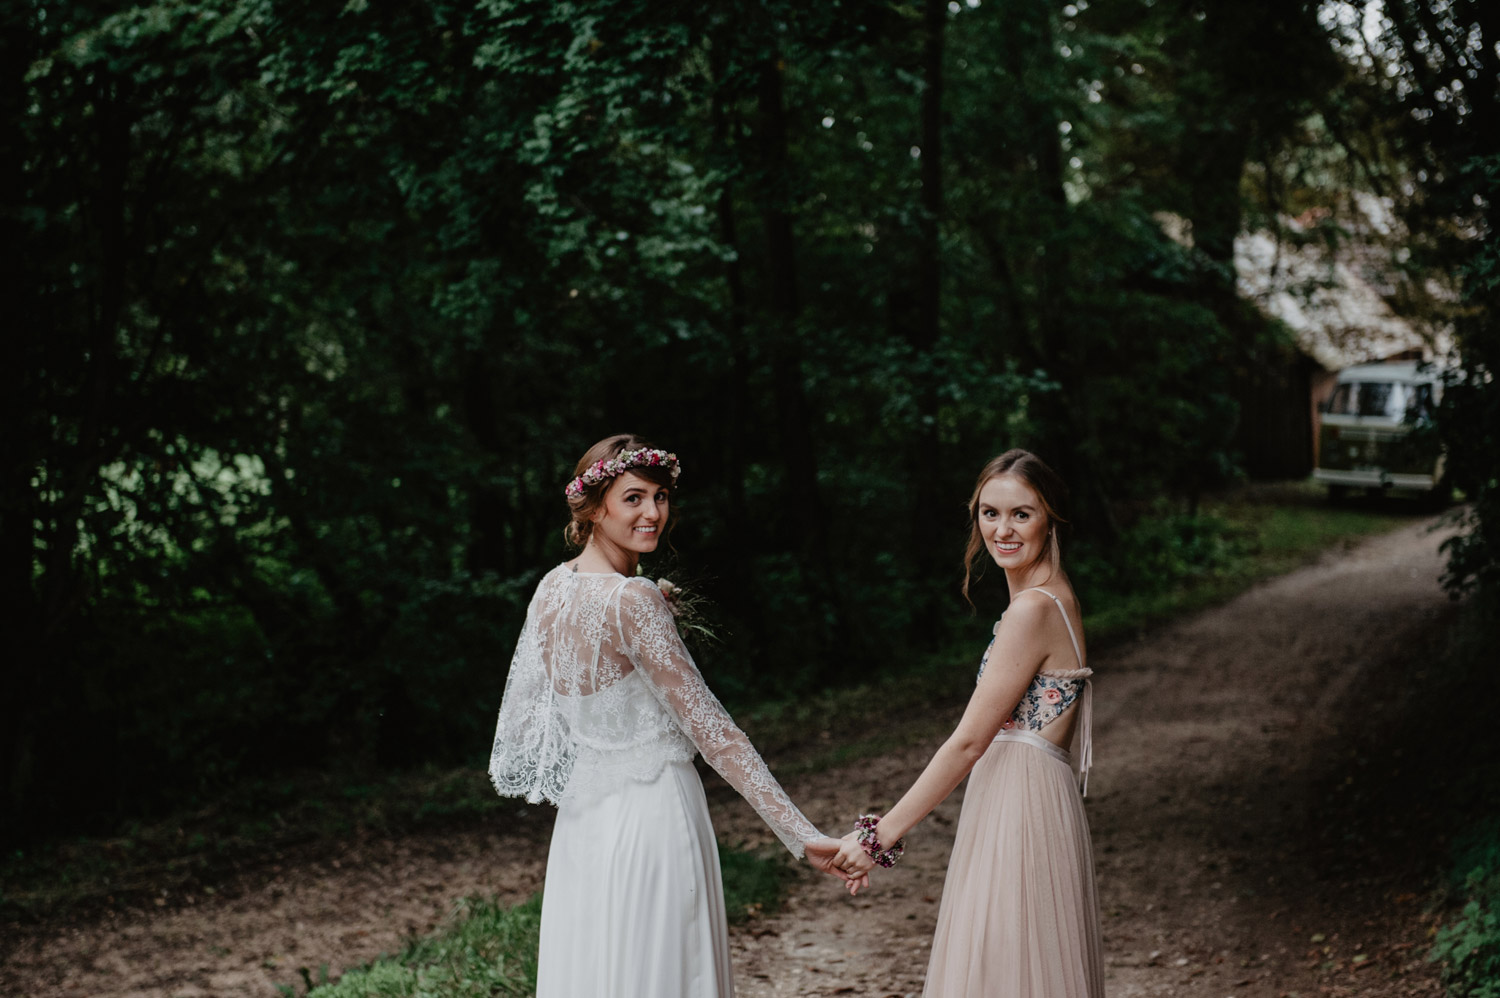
{"points": [[736, 394], [488, 511], [19, 609], [925, 460], [793, 421], [807, 516]]}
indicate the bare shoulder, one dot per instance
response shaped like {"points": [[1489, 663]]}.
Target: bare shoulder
{"points": [[1027, 617], [1028, 608], [1037, 612]]}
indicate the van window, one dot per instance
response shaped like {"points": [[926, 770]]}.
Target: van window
{"points": [[1342, 402], [1367, 398], [1419, 404], [1376, 398]]}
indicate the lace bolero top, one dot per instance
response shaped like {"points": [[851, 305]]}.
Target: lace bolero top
{"points": [[602, 690], [1049, 696]]}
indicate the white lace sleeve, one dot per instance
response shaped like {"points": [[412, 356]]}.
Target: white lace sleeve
{"points": [[649, 639]]}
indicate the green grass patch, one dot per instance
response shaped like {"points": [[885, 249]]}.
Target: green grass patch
{"points": [[1294, 523], [754, 882], [489, 950], [1235, 540]]}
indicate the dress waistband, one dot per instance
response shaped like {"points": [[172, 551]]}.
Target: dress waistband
{"points": [[1036, 741]]}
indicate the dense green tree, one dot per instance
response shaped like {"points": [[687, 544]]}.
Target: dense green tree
{"points": [[1436, 66], [320, 304]]}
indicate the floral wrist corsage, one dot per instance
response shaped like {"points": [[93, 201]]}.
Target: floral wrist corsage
{"points": [[864, 828]]}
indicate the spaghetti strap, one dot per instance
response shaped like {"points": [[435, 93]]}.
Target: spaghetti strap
{"points": [[1071, 635]]}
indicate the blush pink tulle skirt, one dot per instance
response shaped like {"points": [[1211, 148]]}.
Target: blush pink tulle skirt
{"points": [[1020, 914]]}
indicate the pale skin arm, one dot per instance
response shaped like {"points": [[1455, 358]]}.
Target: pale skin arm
{"points": [[1022, 645]]}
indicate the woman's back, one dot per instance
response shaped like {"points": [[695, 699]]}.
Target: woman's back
{"points": [[599, 720], [1047, 706], [602, 691]]}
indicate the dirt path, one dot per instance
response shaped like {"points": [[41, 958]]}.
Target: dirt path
{"points": [[1251, 810], [1245, 807]]}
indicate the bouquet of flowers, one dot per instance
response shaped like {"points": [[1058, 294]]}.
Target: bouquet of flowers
{"points": [[690, 611]]}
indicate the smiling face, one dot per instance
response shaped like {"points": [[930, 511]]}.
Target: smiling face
{"points": [[633, 516], [1013, 523]]}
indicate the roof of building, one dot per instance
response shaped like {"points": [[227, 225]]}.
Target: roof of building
{"points": [[1335, 301]]}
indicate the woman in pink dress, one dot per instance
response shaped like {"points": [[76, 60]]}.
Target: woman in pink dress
{"points": [[1019, 916]]}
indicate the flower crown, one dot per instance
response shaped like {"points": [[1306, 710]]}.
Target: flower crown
{"points": [[646, 457]]}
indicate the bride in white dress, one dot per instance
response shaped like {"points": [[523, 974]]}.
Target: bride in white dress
{"points": [[602, 715]]}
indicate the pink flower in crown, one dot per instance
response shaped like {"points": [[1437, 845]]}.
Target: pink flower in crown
{"points": [[625, 460], [1052, 696]]}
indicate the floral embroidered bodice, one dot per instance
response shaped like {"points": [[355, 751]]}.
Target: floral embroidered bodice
{"points": [[1050, 694], [602, 690], [1045, 700]]}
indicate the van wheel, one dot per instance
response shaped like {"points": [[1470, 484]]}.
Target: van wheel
{"points": [[1338, 493]]}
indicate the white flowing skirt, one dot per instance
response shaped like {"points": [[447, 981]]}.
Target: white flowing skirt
{"points": [[633, 905]]}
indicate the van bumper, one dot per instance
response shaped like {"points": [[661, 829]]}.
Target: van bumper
{"points": [[1374, 480]]}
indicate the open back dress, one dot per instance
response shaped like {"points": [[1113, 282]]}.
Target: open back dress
{"points": [[1020, 914]]}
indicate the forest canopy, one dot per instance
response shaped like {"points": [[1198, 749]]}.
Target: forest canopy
{"points": [[318, 304]]}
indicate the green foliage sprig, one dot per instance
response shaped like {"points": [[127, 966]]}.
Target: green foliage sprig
{"points": [[691, 611], [1468, 946]]}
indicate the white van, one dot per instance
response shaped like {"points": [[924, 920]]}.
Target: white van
{"points": [[1366, 440]]}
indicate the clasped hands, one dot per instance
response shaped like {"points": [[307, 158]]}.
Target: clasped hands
{"points": [[843, 858]]}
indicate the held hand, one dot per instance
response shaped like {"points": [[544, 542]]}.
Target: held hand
{"points": [[853, 859], [856, 864], [822, 854]]}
